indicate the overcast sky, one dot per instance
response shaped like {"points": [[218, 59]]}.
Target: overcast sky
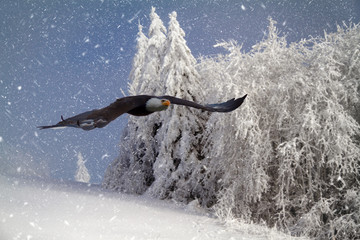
{"points": [[65, 57]]}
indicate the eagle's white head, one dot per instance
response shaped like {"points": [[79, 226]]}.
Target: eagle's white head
{"points": [[157, 104]]}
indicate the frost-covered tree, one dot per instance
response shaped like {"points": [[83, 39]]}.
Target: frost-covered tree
{"points": [[163, 151], [132, 171], [138, 62], [180, 135], [290, 157], [150, 77], [341, 53], [82, 173]]}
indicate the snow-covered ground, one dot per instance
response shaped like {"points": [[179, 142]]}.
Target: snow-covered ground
{"points": [[39, 209]]}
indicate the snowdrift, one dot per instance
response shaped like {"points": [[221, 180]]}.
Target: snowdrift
{"points": [[43, 210]]}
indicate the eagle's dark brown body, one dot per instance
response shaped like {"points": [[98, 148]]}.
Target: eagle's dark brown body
{"points": [[140, 105]]}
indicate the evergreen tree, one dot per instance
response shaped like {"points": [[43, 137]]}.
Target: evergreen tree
{"points": [[164, 147], [150, 77], [180, 135], [138, 63], [132, 171], [82, 174]]}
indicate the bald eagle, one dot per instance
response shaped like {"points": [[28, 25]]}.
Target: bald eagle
{"points": [[140, 105]]}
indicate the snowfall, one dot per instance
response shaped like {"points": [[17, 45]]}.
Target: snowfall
{"points": [[48, 209]]}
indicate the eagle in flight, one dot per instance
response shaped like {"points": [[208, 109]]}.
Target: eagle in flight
{"points": [[140, 105]]}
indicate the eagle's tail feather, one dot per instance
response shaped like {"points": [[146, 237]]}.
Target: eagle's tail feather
{"points": [[52, 126]]}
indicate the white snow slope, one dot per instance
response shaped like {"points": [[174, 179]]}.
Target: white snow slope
{"points": [[39, 209]]}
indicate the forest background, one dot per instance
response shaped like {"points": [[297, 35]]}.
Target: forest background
{"points": [[289, 157]]}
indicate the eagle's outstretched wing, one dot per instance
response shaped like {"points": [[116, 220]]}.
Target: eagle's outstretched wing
{"points": [[99, 118], [227, 106]]}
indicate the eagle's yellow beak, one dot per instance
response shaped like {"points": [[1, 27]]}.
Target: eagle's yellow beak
{"points": [[165, 102]]}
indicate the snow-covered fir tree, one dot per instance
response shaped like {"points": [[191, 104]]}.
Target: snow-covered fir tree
{"points": [[180, 135], [138, 62], [150, 76], [165, 147], [82, 173], [132, 171]]}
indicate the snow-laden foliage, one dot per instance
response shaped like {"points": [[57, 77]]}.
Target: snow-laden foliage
{"points": [[179, 136], [133, 170], [288, 157], [151, 65], [160, 152], [82, 173], [138, 63]]}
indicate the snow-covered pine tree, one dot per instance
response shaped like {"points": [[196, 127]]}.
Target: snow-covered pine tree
{"points": [[138, 62], [171, 139], [82, 173], [132, 171], [150, 77], [178, 169]]}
